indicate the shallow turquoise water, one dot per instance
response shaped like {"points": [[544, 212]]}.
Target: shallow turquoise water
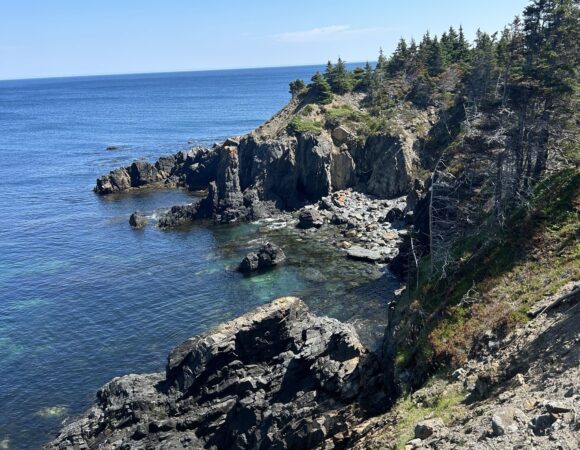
{"points": [[83, 297]]}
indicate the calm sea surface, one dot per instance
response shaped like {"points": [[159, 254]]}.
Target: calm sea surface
{"points": [[83, 297]]}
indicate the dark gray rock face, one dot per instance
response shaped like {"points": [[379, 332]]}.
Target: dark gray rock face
{"points": [[396, 213], [180, 215], [275, 378], [286, 172], [137, 220], [143, 173], [269, 167], [385, 164], [269, 255], [118, 180], [194, 170], [313, 156], [197, 168], [310, 218]]}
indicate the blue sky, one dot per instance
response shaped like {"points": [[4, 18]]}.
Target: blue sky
{"points": [[45, 38]]}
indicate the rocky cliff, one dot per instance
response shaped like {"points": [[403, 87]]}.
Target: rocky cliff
{"points": [[276, 167], [277, 377]]}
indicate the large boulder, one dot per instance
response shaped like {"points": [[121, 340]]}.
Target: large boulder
{"points": [[180, 215], [269, 255], [362, 254], [277, 377], [341, 135], [310, 218]]}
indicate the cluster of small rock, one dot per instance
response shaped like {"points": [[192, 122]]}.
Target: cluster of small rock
{"points": [[369, 229]]}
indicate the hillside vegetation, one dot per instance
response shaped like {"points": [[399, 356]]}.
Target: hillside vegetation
{"points": [[496, 204]]}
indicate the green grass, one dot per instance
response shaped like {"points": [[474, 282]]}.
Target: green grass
{"points": [[299, 125], [345, 112], [307, 110]]}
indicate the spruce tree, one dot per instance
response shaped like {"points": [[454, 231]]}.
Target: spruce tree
{"points": [[399, 59], [435, 58], [296, 87], [321, 89], [462, 49], [329, 73], [381, 61], [342, 80]]}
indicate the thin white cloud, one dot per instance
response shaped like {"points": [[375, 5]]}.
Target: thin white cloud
{"points": [[330, 33]]}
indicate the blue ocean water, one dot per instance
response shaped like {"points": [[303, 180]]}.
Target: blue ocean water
{"points": [[83, 297]]}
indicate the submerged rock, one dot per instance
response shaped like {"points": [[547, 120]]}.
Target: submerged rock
{"points": [[277, 377], [269, 255]]}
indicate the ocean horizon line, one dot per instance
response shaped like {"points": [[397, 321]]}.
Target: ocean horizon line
{"points": [[231, 69]]}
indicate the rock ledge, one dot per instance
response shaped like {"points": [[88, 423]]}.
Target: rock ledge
{"points": [[278, 377]]}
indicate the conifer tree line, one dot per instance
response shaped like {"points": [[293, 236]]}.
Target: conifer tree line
{"points": [[507, 103]]}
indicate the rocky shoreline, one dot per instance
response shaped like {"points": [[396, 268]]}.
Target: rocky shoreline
{"points": [[277, 377]]}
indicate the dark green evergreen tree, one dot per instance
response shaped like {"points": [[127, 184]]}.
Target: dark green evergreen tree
{"points": [[321, 89], [435, 58], [399, 59], [329, 73], [424, 50], [342, 81], [297, 86], [484, 67], [381, 61], [462, 50]]}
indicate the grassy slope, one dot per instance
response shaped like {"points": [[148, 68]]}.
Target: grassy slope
{"points": [[503, 273]]}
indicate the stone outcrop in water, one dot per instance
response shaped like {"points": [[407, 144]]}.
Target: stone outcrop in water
{"points": [[269, 255], [310, 218], [194, 169], [245, 178], [277, 377], [137, 220]]}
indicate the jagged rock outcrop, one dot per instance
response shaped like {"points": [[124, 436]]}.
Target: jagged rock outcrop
{"points": [[275, 378], [269, 255], [193, 169], [283, 170]]}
